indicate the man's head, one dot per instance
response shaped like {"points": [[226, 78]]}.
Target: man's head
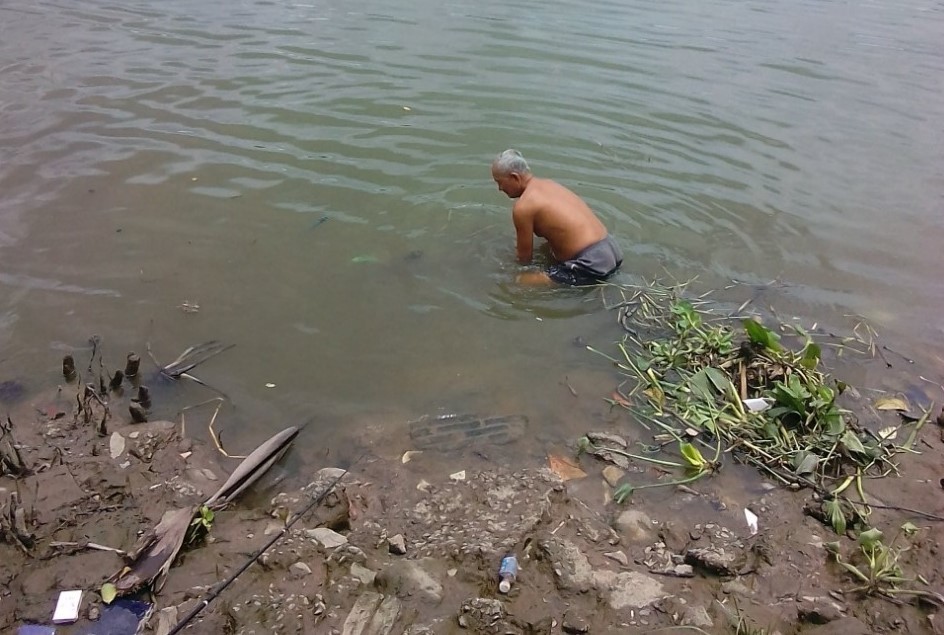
{"points": [[511, 173]]}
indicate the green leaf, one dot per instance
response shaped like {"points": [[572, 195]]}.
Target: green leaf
{"points": [[692, 456], [811, 355], [832, 547], [207, 514], [853, 444], [700, 387], [109, 592], [836, 518], [870, 538], [718, 379], [761, 335], [688, 318], [622, 492], [909, 529], [805, 462]]}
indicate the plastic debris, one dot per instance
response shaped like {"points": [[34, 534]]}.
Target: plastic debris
{"points": [[757, 405], [751, 519], [67, 607], [507, 572]]}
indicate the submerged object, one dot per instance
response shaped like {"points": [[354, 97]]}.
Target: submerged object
{"points": [[454, 431]]}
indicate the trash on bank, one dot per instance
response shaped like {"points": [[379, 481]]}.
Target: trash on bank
{"points": [[751, 519], [758, 404], [507, 572], [122, 617], [67, 607]]}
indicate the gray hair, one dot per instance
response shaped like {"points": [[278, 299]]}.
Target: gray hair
{"points": [[511, 161]]}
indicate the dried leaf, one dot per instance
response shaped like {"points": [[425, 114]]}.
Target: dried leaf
{"points": [[620, 399], [888, 434], [564, 468], [892, 403]]}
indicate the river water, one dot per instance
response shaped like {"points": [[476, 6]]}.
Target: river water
{"points": [[315, 178]]}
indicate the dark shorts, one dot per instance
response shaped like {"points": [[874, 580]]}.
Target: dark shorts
{"points": [[592, 265]]}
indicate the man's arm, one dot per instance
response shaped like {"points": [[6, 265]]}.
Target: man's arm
{"points": [[524, 228]]}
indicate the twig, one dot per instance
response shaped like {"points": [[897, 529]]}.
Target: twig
{"points": [[87, 545], [216, 439]]}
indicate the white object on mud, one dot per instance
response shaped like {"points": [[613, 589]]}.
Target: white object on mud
{"points": [[67, 608], [116, 445], [751, 519], [458, 476], [757, 405]]}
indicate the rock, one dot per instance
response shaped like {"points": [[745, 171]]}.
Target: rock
{"points": [[482, 615], [698, 617], [300, 569], [94, 613], [736, 587], [714, 559], [572, 570], [634, 525], [630, 590], [116, 445], [397, 545], [166, 620], [619, 556], [575, 624], [605, 438], [372, 614], [612, 475], [408, 578], [365, 575], [361, 614], [846, 626], [327, 538], [818, 610]]}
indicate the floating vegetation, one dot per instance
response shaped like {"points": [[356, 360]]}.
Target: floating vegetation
{"points": [[735, 386]]}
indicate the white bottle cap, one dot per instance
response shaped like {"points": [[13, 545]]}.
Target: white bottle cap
{"points": [[504, 586]]}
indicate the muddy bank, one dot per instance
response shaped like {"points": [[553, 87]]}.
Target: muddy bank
{"points": [[414, 547]]}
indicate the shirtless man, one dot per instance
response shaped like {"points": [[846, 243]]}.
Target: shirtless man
{"points": [[584, 251]]}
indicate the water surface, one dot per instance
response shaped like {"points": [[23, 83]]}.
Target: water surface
{"points": [[153, 155]]}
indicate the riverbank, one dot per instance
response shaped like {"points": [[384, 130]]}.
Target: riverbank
{"points": [[411, 544]]}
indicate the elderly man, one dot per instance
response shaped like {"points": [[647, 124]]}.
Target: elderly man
{"points": [[584, 251]]}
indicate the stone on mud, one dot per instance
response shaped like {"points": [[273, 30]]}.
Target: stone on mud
{"points": [[408, 578], [714, 559], [629, 589], [635, 525], [483, 615], [572, 570], [498, 509], [397, 545], [372, 614], [327, 538]]}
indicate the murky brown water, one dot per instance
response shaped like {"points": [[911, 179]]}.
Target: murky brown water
{"points": [[152, 155]]}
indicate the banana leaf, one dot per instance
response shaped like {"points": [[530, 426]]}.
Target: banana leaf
{"points": [[253, 467]]}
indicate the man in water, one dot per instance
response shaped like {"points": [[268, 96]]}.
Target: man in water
{"points": [[584, 251]]}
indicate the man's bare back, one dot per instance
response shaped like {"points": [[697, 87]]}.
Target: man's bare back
{"points": [[549, 210]]}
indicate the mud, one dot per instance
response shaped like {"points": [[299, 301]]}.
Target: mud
{"points": [[414, 547]]}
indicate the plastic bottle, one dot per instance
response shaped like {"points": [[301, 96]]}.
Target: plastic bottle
{"points": [[507, 573]]}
